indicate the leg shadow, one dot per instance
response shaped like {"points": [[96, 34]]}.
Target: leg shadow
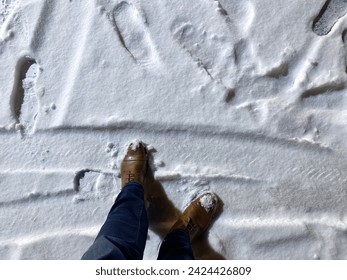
{"points": [[162, 214]]}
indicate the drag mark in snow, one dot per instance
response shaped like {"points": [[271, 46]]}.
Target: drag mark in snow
{"points": [[305, 66], [328, 16], [40, 30], [222, 10], [280, 70], [75, 62], [285, 221], [323, 89], [64, 233], [24, 99], [167, 176], [239, 15], [134, 35], [34, 197], [199, 130], [344, 39], [6, 8]]}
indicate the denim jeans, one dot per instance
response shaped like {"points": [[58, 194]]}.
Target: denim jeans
{"points": [[124, 233]]}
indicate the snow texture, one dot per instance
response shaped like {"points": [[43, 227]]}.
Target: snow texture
{"points": [[208, 201], [135, 144], [245, 99]]}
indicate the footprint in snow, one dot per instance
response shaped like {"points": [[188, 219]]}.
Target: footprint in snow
{"points": [[134, 35]]}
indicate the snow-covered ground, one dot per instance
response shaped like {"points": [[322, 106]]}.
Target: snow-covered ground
{"points": [[244, 98]]}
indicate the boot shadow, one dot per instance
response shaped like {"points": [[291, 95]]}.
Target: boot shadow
{"points": [[162, 214], [201, 246], [203, 250]]}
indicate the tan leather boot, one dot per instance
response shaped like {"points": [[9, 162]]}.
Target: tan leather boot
{"points": [[198, 215], [134, 164]]}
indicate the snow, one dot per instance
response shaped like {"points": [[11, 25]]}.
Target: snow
{"points": [[135, 144], [244, 99], [208, 201]]}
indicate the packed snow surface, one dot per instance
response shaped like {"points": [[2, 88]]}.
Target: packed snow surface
{"points": [[245, 99]]}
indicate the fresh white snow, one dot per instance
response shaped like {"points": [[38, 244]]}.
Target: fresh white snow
{"points": [[245, 99], [208, 201]]}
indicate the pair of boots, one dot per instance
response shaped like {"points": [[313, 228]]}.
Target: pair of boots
{"points": [[196, 217]]}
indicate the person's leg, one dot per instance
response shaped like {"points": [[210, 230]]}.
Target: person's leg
{"points": [[193, 222], [176, 246], [124, 233]]}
